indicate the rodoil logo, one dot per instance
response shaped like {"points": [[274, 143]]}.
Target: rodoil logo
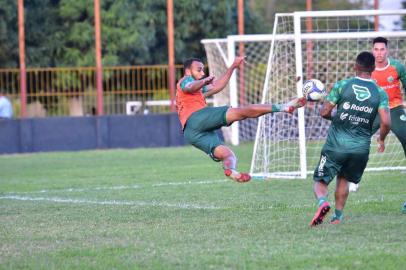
{"points": [[347, 105]]}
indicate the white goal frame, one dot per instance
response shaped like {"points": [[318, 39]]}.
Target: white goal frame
{"points": [[298, 37]]}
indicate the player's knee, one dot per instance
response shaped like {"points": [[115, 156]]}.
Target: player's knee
{"points": [[238, 114]]}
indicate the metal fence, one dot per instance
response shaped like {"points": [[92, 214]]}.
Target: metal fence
{"points": [[72, 91]]}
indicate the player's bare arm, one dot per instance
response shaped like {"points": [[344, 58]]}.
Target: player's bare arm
{"points": [[384, 128], [326, 110], [219, 84], [198, 84]]}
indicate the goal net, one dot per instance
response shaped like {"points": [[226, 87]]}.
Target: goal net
{"points": [[321, 45], [246, 84]]}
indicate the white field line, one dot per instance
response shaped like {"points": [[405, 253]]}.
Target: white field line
{"points": [[113, 202], [74, 189], [191, 183], [206, 182], [170, 205]]}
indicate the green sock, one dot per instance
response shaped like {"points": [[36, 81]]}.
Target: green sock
{"points": [[321, 200], [338, 213], [276, 107]]}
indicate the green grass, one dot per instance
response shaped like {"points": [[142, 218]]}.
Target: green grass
{"points": [[201, 223]]}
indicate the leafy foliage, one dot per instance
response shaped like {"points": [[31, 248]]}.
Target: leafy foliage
{"points": [[266, 9], [61, 32], [8, 33]]}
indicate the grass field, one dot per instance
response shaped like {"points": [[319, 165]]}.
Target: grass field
{"points": [[173, 209]]}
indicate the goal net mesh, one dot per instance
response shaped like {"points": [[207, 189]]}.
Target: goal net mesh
{"points": [[329, 47]]}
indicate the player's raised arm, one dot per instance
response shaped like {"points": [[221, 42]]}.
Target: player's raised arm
{"points": [[198, 84], [219, 84]]}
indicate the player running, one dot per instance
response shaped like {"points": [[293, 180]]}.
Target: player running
{"points": [[199, 122], [345, 154]]}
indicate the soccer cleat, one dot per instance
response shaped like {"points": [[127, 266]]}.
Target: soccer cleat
{"points": [[292, 105], [237, 176], [322, 211]]}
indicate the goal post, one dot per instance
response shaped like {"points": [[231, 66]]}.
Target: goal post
{"points": [[288, 146]]}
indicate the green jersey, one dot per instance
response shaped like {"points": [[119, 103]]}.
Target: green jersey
{"points": [[358, 101]]}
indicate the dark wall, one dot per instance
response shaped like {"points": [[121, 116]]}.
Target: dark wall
{"points": [[82, 133]]}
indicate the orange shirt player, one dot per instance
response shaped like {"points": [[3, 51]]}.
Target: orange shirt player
{"points": [[390, 74]]}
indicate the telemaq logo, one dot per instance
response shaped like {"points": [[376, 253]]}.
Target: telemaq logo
{"points": [[356, 119], [343, 116]]}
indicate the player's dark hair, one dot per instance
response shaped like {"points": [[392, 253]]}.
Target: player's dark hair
{"points": [[366, 62], [188, 62], [380, 40]]}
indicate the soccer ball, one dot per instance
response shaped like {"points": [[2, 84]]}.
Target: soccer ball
{"points": [[314, 90]]}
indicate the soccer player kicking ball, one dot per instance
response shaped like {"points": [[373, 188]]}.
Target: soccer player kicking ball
{"points": [[200, 122], [345, 153]]}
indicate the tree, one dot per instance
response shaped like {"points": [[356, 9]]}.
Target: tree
{"points": [[209, 19], [127, 32], [61, 32], [267, 9], [43, 33], [8, 34]]}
